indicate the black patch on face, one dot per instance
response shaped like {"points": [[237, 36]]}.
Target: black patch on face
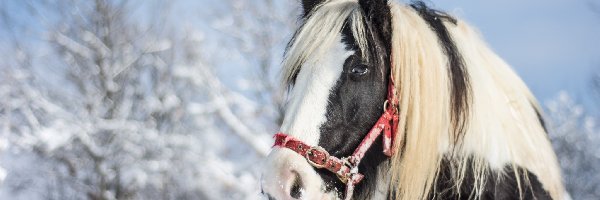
{"points": [[459, 78], [497, 186], [356, 102]]}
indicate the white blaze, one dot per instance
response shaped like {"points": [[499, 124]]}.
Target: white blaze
{"points": [[305, 114], [307, 106]]}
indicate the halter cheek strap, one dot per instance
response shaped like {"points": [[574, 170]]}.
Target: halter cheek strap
{"points": [[346, 168]]}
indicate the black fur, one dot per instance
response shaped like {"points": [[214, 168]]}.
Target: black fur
{"points": [[498, 186], [356, 104], [378, 14], [460, 99], [309, 5]]}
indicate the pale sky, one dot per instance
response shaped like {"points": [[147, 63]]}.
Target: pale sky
{"points": [[552, 44]]}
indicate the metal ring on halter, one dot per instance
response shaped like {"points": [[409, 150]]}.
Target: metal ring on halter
{"points": [[385, 105], [321, 150]]}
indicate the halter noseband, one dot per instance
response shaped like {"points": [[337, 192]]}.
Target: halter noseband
{"points": [[346, 168]]}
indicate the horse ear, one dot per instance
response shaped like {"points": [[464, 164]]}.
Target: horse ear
{"points": [[378, 13], [309, 5]]}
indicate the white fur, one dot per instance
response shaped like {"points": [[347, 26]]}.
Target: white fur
{"points": [[383, 185], [277, 177]]}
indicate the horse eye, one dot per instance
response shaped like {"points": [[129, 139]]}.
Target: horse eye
{"points": [[360, 70]]}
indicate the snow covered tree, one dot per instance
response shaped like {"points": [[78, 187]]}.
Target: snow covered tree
{"points": [[260, 30], [107, 105], [576, 139]]}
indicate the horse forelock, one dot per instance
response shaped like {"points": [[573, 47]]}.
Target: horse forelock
{"points": [[318, 32]]}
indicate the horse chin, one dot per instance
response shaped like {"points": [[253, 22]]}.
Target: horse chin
{"points": [[284, 169], [331, 196]]}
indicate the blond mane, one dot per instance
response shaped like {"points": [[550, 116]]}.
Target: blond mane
{"points": [[502, 127]]}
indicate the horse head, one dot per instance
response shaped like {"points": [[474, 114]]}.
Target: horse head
{"points": [[382, 103]]}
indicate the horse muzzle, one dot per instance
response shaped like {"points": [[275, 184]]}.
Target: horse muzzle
{"points": [[286, 175]]}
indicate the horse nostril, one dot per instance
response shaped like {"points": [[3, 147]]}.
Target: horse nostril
{"points": [[296, 189]]}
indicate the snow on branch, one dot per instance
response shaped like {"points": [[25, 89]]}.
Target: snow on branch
{"points": [[73, 46], [216, 91]]}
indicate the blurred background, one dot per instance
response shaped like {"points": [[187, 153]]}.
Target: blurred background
{"points": [[149, 99]]}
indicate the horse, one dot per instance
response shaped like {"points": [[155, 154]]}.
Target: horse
{"points": [[401, 101]]}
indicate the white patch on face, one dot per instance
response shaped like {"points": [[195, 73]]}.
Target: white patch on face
{"points": [[307, 107], [305, 114]]}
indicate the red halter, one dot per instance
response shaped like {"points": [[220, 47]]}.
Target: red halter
{"points": [[346, 168]]}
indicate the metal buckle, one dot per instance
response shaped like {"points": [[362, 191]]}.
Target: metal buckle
{"points": [[320, 150], [344, 177]]}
